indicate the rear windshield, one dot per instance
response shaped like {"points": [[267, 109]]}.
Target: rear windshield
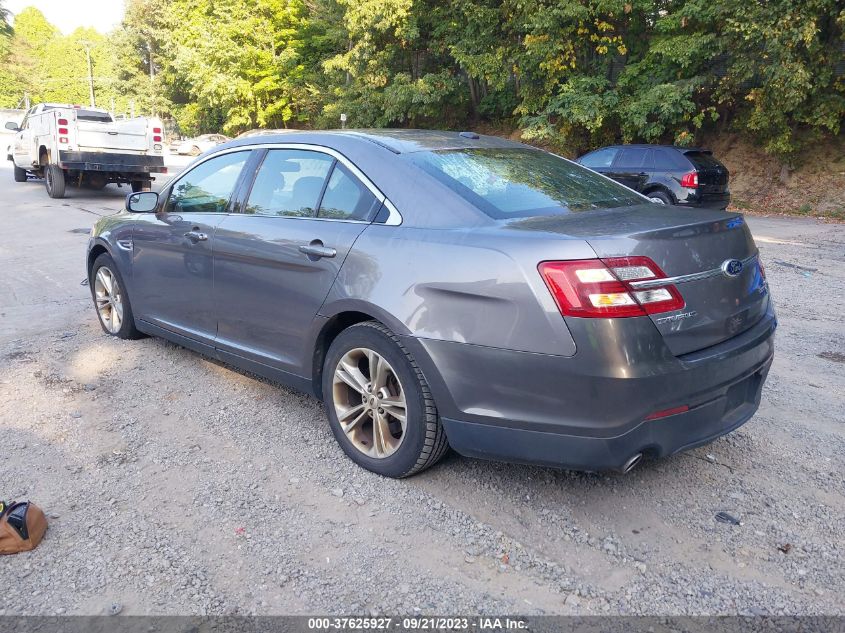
{"points": [[92, 115], [518, 183], [702, 160]]}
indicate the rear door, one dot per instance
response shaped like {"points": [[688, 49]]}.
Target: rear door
{"points": [[631, 167], [276, 260]]}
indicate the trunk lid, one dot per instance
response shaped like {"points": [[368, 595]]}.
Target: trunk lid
{"points": [[712, 175], [680, 242]]}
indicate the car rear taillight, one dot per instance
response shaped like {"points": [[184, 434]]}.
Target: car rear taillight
{"points": [[62, 121], [602, 287], [63, 140], [157, 139], [156, 130], [63, 130], [690, 180]]}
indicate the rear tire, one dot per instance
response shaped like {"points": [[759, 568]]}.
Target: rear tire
{"points": [[141, 185], [195, 151], [20, 174], [111, 301], [54, 181], [659, 197], [393, 452]]}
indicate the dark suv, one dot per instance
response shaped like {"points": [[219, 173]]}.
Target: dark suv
{"points": [[666, 174]]}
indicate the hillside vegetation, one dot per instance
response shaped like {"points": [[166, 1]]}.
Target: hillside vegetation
{"points": [[570, 74]]}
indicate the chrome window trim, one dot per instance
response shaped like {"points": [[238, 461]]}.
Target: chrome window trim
{"points": [[394, 218], [705, 274]]}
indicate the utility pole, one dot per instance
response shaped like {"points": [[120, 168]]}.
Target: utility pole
{"points": [[90, 74], [152, 78]]}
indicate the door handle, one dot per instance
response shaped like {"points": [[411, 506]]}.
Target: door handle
{"points": [[195, 236], [315, 250]]}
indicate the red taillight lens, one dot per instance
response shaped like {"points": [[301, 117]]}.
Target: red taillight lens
{"points": [[62, 121], [156, 130], [156, 139], [602, 288], [690, 180], [63, 130]]}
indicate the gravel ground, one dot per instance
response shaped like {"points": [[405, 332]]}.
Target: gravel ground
{"points": [[176, 485]]}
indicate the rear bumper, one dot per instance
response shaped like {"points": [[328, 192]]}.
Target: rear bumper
{"points": [[568, 412], [707, 200], [114, 163]]}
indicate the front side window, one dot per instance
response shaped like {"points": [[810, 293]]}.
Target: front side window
{"points": [[208, 187], [601, 158], [289, 183], [346, 198], [518, 183], [632, 158]]}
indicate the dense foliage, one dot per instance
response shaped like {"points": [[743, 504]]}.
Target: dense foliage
{"points": [[571, 73]]}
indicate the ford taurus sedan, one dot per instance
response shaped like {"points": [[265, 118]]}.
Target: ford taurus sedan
{"points": [[440, 289]]}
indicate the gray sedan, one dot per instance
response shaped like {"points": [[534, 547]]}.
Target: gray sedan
{"points": [[440, 289]]}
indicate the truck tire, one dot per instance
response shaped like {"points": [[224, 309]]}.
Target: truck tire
{"points": [[20, 174], [141, 185], [54, 180]]}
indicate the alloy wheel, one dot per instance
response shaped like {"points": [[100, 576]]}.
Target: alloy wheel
{"points": [[369, 402], [109, 299]]}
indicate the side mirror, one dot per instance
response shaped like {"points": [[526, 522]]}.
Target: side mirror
{"points": [[142, 202], [11, 125]]}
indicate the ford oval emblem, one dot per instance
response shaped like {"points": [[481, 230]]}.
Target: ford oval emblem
{"points": [[732, 267]]}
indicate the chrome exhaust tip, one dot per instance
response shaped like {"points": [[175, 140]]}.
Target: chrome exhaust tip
{"points": [[631, 464]]}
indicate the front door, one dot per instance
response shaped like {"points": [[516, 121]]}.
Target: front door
{"points": [[275, 262], [172, 272], [631, 167]]}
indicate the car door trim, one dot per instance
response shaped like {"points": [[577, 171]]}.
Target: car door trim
{"points": [[705, 274], [394, 217]]}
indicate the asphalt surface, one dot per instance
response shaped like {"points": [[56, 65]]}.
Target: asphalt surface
{"points": [[174, 484]]}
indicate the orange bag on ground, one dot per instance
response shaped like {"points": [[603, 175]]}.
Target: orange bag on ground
{"points": [[22, 526]]}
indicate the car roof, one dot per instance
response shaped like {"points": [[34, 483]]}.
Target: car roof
{"points": [[649, 145], [398, 141]]}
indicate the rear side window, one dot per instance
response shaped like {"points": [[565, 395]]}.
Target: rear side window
{"points": [[518, 183], [208, 187], [670, 160], [632, 158], [346, 198], [601, 158], [289, 183], [703, 160]]}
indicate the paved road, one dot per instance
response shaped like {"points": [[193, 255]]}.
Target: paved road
{"points": [[176, 485]]}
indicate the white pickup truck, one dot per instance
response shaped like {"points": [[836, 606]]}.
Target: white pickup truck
{"points": [[76, 146]]}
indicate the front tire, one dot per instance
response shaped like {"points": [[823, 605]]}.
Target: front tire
{"points": [[379, 404], [54, 181], [114, 311], [20, 174]]}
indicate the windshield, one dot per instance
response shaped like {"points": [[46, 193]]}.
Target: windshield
{"points": [[517, 183]]}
